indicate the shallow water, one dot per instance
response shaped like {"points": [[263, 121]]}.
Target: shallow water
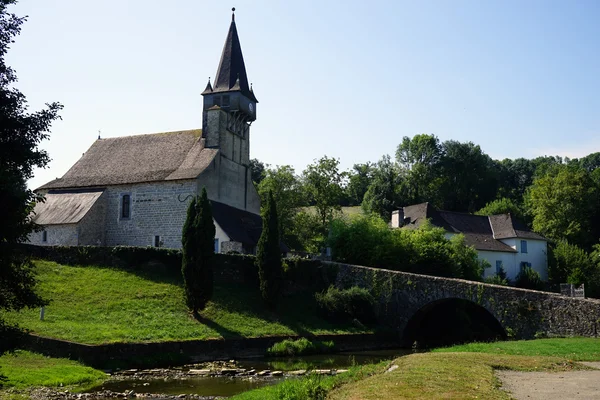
{"points": [[229, 386]]}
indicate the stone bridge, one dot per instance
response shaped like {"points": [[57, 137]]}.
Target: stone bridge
{"points": [[404, 299]]}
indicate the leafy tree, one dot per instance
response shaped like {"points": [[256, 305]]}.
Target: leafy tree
{"points": [[20, 134], [198, 252], [419, 159], [470, 177], [499, 279], [257, 171], [571, 264], [305, 234], [286, 188], [323, 187], [502, 206], [268, 256], [359, 180], [564, 205], [514, 177], [385, 193]]}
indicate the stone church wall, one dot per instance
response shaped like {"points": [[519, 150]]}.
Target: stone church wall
{"points": [[56, 235], [158, 208], [91, 227]]}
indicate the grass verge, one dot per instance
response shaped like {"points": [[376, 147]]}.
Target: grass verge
{"points": [[24, 369], [101, 305], [576, 349], [300, 347], [311, 387]]}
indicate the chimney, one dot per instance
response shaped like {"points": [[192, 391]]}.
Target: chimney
{"points": [[398, 218]]}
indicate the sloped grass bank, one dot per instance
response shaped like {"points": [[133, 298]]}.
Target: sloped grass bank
{"points": [[24, 369], [576, 349], [97, 305]]}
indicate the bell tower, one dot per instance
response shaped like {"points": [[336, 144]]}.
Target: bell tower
{"points": [[230, 93]]}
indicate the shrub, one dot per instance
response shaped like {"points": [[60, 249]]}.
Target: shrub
{"points": [[342, 304], [529, 279], [499, 279], [303, 346]]}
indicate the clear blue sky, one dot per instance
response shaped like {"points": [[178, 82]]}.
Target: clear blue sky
{"points": [[346, 79]]}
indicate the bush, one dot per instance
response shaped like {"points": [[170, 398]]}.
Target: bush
{"points": [[499, 279], [367, 240], [529, 279], [303, 346], [343, 304]]}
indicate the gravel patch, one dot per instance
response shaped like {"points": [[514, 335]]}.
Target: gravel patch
{"points": [[579, 385]]}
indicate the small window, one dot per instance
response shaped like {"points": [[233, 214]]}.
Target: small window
{"points": [[523, 246], [498, 267], [44, 236], [217, 100], [216, 245], [156, 241], [225, 101], [126, 206]]}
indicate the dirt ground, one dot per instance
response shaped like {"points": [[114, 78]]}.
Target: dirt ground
{"points": [[579, 385]]}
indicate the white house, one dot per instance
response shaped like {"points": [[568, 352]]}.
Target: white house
{"points": [[500, 239]]}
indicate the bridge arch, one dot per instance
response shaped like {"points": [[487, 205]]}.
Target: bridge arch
{"points": [[451, 320]]}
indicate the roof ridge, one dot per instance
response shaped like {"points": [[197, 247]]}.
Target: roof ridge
{"points": [[199, 130]]}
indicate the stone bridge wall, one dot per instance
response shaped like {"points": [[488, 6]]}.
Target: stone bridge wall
{"points": [[522, 313]]}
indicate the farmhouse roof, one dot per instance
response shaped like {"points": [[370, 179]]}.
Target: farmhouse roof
{"points": [[140, 158], [67, 207], [481, 232]]}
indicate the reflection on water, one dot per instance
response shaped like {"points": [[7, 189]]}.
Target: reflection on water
{"points": [[229, 386]]}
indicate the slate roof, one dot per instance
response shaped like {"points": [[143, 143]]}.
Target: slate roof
{"points": [[231, 74], [139, 158], [481, 232], [65, 207], [240, 225]]}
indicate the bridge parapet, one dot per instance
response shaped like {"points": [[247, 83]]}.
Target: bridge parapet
{"points": [[522, 313]]}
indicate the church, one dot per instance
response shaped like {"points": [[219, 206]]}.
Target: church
{"points": [[135, 190]]}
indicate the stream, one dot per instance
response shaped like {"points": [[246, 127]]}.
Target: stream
{"points": [[224, 379]]}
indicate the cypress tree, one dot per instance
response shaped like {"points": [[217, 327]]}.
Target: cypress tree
{"points": [[268, 257], [198, 252]]}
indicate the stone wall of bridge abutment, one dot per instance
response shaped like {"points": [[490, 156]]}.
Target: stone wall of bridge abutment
{"points": [[522, 313]]}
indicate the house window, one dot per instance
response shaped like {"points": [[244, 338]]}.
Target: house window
{"points": [[156, 241], [524, 264], [523, 246], [125, 206], [217, 101], [216, 245], [498, 267], [225, 101], [44, 236]]}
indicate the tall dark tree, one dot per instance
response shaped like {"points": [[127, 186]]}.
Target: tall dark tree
{"points": [[385, 191], [359, 179], [198, 237], [257, 170], [20, 134], [268, 257]]}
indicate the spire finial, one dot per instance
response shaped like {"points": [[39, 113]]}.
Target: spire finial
{"points": [[233, 14]]}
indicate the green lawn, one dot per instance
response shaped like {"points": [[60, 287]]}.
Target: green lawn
{"points": [[101, 305], [576, 349], [24, 369]]}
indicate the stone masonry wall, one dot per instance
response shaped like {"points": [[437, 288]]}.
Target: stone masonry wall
{"points": [[522, 313], [158, 208], [91, 227], [65, 234]]}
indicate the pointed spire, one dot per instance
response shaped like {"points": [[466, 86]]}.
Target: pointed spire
{"points": [[209, 88], [231, 67]]}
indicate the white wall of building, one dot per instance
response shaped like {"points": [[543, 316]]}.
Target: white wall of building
{"points": [[56, 235]]}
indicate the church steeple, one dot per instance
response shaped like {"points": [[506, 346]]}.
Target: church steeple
{"points": [[230, 91], [232, 67]]}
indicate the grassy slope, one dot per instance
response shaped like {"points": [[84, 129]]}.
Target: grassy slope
{"points": [[24, 369], [99, 305], [445, 376], [449, 373], [576, 349]]}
